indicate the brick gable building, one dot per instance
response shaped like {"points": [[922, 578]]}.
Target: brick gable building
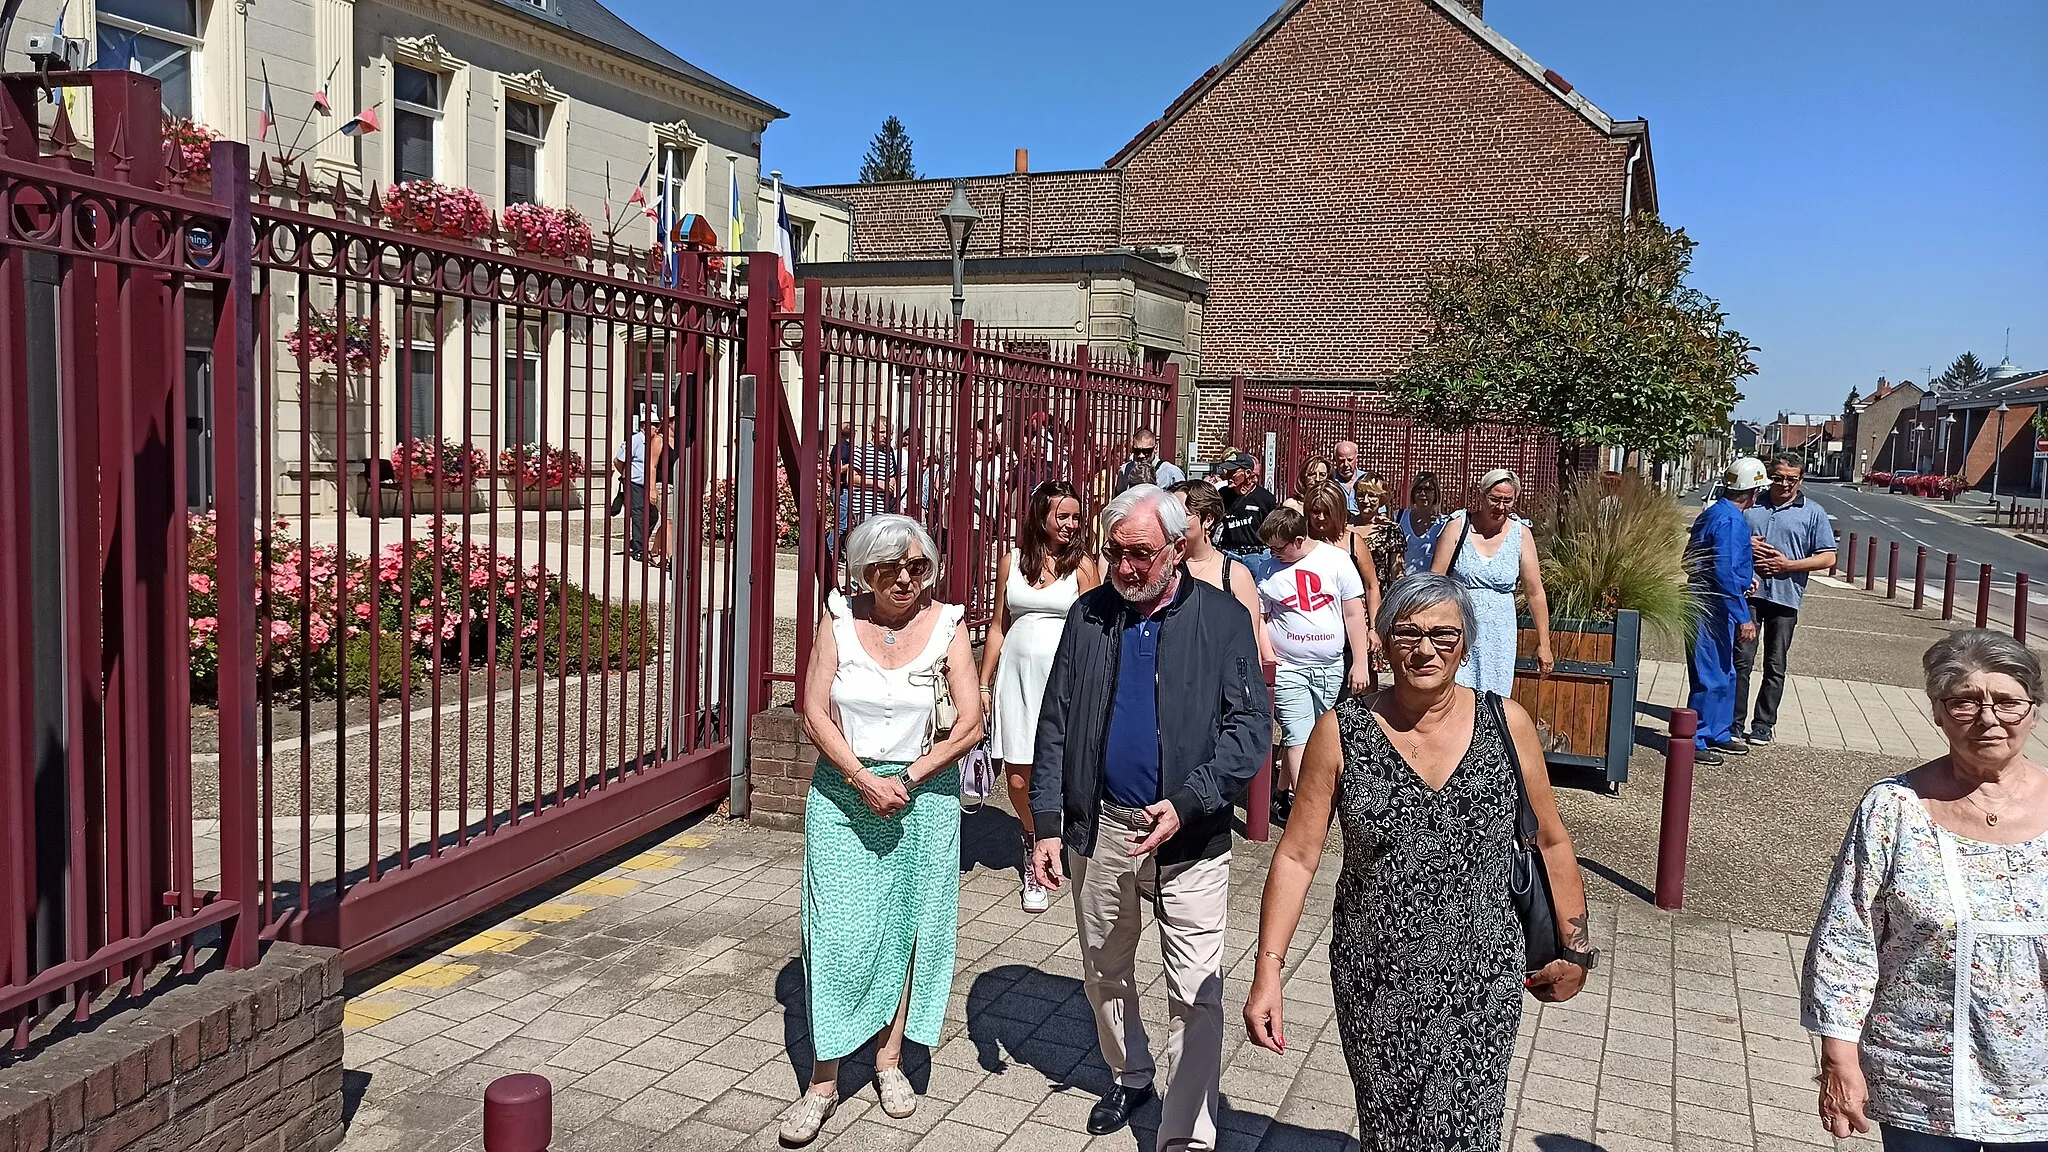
{"points": [[1313, 177]]}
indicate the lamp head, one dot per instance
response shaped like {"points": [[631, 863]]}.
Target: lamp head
{"points": [[959, 217]]}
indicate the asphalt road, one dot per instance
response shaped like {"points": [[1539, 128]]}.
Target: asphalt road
{"points": [[1943, 528]]}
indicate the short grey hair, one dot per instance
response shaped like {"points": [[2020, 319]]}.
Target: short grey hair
{"points": [[1144, 434], [880, 539], [1173, 515], [1412, 594], [1789, 460], [1958, 655], [1499, 476]]}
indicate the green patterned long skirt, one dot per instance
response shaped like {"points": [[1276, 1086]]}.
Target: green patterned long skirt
{"points": [[881, 902]]}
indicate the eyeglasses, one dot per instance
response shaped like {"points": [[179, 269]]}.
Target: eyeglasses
{"points": [[1142, 453], [1140, 557], [1410, 638], [1964, 710], [1786, 479], [890, 571]]}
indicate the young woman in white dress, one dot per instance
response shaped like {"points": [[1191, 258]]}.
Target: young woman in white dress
{"points": [[1035, 585]]}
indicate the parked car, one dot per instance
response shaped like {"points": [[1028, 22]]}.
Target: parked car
{"points": [[1899, 478]]}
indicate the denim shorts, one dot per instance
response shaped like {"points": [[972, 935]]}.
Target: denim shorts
{"points": [[1301, 696]]}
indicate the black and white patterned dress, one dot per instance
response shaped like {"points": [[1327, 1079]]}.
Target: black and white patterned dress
{"points": [[1426, 950]]}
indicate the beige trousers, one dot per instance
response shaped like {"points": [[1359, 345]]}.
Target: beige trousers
{"points": [[1191, 901]]}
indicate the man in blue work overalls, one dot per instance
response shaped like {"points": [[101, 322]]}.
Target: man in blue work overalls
{"points": [[1723, 570]]}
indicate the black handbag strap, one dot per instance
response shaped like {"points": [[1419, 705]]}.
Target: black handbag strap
{"points": [[1525, 816], [1464, 533]]}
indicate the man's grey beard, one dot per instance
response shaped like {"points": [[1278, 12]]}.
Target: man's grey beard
{"points": [[1144, 593]]}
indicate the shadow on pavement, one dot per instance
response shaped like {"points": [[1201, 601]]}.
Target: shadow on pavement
{"points": [[990, 838], [857, 1068]]}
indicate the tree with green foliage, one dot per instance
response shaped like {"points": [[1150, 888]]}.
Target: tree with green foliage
{"points": [[1855, 395], [1963, 371], [1601, 342], [888, 157]]}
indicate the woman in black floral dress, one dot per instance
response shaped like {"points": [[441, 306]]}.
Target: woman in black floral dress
{"points": [[1426, 958]]}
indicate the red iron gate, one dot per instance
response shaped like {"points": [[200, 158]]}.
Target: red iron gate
{"points": [[1309, 423], [974, 419]]}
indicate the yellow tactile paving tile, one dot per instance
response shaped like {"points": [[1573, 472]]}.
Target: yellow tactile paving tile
{"points": [[552, 913], [367, 1013], [432, 974], [491, 940], [690, 840], [652, 862], [607, 886]]}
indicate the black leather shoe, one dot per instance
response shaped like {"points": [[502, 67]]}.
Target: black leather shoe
{"points": [[1283, 808], [1115, 1109]]}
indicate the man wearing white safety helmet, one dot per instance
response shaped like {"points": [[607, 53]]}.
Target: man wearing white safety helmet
{"points": [[1723, 572]]}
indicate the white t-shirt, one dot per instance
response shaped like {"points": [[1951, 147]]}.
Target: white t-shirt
{"points": [[1303, 604]]}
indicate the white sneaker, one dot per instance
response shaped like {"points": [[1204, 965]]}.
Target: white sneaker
{"points": [[1036, 898]]}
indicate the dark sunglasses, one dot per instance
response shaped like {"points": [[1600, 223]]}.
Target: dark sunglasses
{"points": [[889, 571]]}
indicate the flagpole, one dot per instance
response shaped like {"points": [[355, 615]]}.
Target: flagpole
{"points": [[732, 240], [308, 121]]}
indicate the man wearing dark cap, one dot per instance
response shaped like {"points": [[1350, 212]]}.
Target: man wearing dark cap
{"points": [[1246, 504]]}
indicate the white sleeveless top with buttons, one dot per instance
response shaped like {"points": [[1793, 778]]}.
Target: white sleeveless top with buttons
{"points": [[883, 712]]}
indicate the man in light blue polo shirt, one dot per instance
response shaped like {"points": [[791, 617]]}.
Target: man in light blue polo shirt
{"points": [[1791, 537]]}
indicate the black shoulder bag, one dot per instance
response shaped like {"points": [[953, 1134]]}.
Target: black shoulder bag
{"points": [[1528, 879]]}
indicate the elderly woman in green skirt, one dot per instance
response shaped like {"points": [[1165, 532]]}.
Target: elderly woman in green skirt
{"points": [[881, 900]]}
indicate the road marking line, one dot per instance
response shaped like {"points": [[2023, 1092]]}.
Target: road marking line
{"points": [[432, 975], [553, 913], [607, 886], [359, 1014], [491, 940]]}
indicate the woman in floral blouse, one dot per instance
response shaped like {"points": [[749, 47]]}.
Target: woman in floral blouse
{"points": [[1925, 976]]}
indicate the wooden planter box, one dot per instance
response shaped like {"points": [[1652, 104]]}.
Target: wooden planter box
{"points": [[455, 498], [534, 497], [1586, 709]]}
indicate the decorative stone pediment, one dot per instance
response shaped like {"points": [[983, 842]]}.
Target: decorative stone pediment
{"points": [[678, 134], [534, 88], [425, 52]]}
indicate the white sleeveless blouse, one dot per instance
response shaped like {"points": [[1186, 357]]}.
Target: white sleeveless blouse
{"points": [[883, 712]]}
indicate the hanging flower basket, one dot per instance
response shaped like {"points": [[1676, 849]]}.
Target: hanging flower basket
{"points": [[546, 231], [194, 141], [436, 208], [322, 339]]}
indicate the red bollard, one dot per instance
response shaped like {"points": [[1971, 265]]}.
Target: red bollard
{"points": [[1948, 587], [1891, 573], [1870, 565], [1850, 575], [1676, 827], [1920, 578], [1984, 596], [1258, 801], [519, 1114], [2019, 607]]}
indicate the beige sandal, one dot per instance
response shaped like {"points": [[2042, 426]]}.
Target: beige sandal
{"points": [[800, 1125], [899, 1099]]}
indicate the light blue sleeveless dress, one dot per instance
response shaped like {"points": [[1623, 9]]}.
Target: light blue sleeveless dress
{"points": [[1490, 660]]}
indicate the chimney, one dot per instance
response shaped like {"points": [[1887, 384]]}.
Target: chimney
{"points": [[1023, 160]]}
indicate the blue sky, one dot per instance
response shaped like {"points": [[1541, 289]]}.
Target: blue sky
{"points": [[1868, 181]]}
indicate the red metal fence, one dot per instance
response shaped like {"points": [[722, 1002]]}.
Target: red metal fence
{"points": [[100, 264], [954, 429], [1304, 424]]}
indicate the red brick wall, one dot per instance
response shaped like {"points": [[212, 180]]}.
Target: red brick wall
{"points": [[1318, 181], [1025, 214]]}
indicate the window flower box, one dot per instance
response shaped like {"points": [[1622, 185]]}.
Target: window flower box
{"points": [[326, 339], [542, 476], [438, 209], [193, 142], [544, 231]]}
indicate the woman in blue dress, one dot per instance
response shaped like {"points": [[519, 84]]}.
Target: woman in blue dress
{"points": [[1487, 548]]}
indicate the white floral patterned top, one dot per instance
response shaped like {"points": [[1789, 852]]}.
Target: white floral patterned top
{"points": [[1931, 951]]}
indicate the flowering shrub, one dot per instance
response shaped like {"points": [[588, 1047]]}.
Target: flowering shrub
{"points": [[451, 460], [321, 613], [724, 507], [193, 140], [1926, 484], [325, 339], [547, 231], [1884, 478], [542, 465], [430, 206]]}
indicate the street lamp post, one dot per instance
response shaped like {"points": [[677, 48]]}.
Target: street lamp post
{"points": [[959, 218], [1947, 442], [1998, 447]]}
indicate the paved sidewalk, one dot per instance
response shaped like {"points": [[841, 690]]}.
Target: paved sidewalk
{"points": [[663, 998]]}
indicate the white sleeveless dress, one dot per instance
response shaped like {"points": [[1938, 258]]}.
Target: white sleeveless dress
{"points": [[1037, 617]]}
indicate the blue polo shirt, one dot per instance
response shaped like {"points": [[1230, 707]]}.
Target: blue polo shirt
{"points": [[1130, 755], [1798, 530]]}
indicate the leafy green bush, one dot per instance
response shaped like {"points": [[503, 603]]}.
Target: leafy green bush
{"points": [[1619, 544]]}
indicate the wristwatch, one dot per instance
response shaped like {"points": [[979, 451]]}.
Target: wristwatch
{"points": [[1589, 959]]}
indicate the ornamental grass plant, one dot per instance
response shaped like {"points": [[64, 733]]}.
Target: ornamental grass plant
{"points": [[1615, 544]]}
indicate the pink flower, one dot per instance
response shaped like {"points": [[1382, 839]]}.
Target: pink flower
{"points": [[200, 583], [205, 626]]}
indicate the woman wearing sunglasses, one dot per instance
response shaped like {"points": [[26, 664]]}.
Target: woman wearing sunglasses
{"points": [[881, 898], [1035, 585]]}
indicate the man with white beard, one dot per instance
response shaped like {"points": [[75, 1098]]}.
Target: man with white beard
{"points": [[1154, 720]]}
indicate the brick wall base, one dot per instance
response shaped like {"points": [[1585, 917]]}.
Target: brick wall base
{"points": [[779, 769], [244, 1061]]}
